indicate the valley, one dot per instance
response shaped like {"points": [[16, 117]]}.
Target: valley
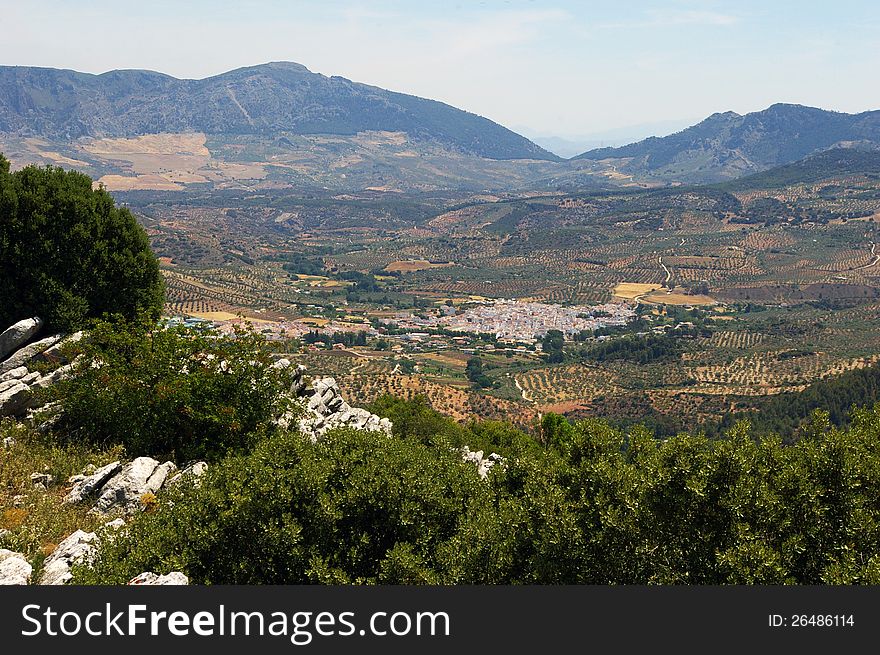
{"points": [[736, 292]]}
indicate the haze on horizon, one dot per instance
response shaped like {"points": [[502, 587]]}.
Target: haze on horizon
{"points": [[573, 70]]}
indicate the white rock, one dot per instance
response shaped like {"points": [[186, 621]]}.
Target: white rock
{"points": [[14, 374], [18, 334], [60, 373], [194, 471], [115, 524], [43, 479], [26, 354], [85, 486], [149, 579], [483, 464], [53, 353], [15, 400], [10, 384], [77, 548], [124, 490], [8, 442], [14, 568]]}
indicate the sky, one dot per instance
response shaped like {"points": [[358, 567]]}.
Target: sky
{"points": [[547, 68]]}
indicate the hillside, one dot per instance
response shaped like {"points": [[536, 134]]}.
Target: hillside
{"points": [[728, 145], [278, 97], [826, 165]]}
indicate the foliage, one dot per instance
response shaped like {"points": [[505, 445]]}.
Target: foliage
{"points": [[179, 393], [787, 413], [588, 504], [641, 350], [552, 344], [475, 373], [354, 508], [67, 253], [38, 521]]}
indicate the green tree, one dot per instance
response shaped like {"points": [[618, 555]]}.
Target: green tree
{"points": [[173, 393], [475, 373], [68, 254], [552, 344]]}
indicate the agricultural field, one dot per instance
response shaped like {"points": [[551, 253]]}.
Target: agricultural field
{"points": [[748, 291]]}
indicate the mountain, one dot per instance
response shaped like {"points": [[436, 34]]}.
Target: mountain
{"points": [[265, 100], [728, 145]]}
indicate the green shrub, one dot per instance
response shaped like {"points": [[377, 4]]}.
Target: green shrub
{"points": [[357, 507], [67, 253], [594, 505], [172, 393]]}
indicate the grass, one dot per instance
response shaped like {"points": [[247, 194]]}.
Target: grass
{"points": [[36, 519]]}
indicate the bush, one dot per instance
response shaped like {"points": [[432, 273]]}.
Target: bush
{"points": [[67, 253], [173, 393], [592, 506], [355, 508]]}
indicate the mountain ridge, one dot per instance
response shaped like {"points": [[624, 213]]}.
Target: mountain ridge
{"points": [[726, 145], [262, 99]]}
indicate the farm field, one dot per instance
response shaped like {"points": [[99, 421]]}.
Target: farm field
{"points": [[735, 302]]}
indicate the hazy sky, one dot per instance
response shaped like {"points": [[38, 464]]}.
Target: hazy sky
{"points": [[556, 67]]}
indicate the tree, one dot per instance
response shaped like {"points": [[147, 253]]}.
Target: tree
{"points": [[173, 393], [552, 344], [68, 253], [474, 371]]}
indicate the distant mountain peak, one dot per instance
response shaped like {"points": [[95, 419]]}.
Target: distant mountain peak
{"points": [[729, 145], [266, 99]]}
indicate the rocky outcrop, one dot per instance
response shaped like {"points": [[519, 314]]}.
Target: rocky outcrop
{"points": [[15, 336], [14, 374], [149, 579], [54, 354], [192, 472], [78, 548], [483, 464], [85, 486], [326, 409], [15, 398], [123, 492], [298, 383], [24, 355], [14, 568], [19, 386]]}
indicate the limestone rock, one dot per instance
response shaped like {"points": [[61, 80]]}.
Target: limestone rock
{"points": [[26, 354], [326, 409], [42, 479], [59, 374], [194, 471], [140, 476], [148, 578], [14, 374], [53, 353], [18, 334], [86, 485], [77, 548], [483, 464], [14, 568], [115, 524], [15, 399]]}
